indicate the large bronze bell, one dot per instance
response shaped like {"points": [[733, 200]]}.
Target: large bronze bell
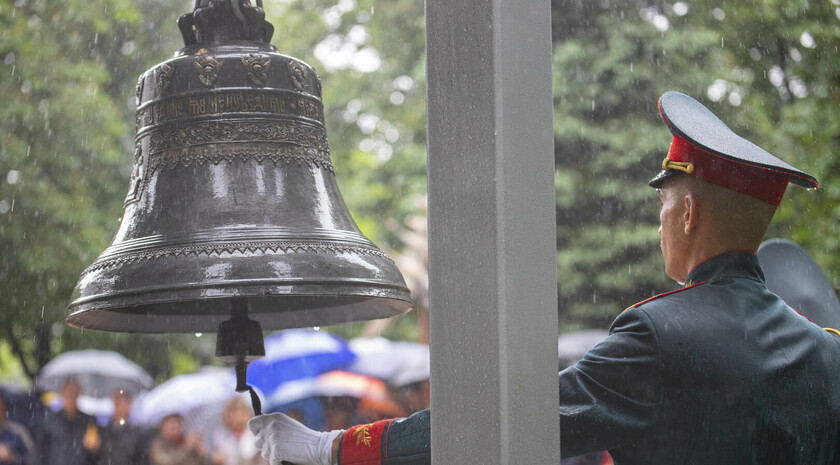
{"points": [[233, 203]]}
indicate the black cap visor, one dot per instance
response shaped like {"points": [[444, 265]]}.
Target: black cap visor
{"points": [[660, 178]]}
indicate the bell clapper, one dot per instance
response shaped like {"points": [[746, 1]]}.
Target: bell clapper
{"points": [[240, 342]]}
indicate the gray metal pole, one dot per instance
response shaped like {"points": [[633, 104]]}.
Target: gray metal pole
{"points": [[492, 262]]}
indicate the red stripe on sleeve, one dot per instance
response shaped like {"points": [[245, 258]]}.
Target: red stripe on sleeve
{"points": [[362, 444]]}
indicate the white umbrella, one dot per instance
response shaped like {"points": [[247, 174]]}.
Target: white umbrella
{"points": [[199, 398], [99, 372], [396, 362], [185, 393], [571, 347]]}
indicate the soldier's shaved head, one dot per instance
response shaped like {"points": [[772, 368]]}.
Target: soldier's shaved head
{"points": [[738, 221], [700, 220]]}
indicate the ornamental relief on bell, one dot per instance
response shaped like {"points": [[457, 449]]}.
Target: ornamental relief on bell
{"points": [[297, 74], [207, 68], [164, 78], [236, 248], [256, 67], [223, 141], [138, 89], [236, 131], [137, 180], [229, 152]]}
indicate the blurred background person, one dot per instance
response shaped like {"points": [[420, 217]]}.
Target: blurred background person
{"points": [[412, 397], [171, 447], [68, 436], [122, 442], [341, 412], [232, 442], [16, 445], [409, 386]]}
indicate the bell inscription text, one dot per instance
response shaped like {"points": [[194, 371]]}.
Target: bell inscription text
{"points": [[227, 103]]}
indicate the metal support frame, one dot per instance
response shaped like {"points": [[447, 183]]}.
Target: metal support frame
{"points": [[492, 232]]}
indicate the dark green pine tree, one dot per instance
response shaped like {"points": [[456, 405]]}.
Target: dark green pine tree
{"points": [[612, 60], [782, 85], [768, 69]]}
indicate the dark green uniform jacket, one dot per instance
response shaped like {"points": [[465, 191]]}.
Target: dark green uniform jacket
{"points": [[721, 372]]}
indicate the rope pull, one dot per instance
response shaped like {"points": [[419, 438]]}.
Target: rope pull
{"points": [[255, 401]]}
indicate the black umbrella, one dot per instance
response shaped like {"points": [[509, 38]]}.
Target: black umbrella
{"points": [[794, 276]]}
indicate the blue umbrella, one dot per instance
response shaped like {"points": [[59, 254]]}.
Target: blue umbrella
{"points": [[298, 353]]}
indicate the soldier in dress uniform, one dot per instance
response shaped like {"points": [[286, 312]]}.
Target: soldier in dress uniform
{"points": [[721, 371]]}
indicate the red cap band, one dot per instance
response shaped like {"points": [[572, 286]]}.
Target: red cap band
{"points": [[761, 183]]}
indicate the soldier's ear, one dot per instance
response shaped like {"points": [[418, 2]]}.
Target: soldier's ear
{"points": [[691, 214]]}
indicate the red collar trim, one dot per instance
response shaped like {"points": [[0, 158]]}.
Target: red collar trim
{"points": [[664, 294]]}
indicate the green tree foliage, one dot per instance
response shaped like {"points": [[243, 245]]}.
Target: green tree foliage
{"points": [[68, 75], [370, 57], [611, 63], [782, 84], [768, 69]]}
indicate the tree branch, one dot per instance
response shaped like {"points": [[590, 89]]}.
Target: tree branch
{"points": [[18, 351], [781, 49]]}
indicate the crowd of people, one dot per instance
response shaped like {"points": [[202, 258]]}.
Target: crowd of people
{"points": [[69, 436]]}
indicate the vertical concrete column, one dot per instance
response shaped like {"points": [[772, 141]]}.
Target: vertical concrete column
{"points": [[492, 263]]}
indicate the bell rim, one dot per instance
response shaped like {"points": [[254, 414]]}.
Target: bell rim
{"points": [[287, 283], [128, 315]]}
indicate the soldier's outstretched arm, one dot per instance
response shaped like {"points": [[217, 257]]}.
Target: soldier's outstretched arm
{"points": [[612, 396], [400, 441]]}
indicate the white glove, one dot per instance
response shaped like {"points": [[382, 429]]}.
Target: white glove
{"points": [[281, 438]]}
